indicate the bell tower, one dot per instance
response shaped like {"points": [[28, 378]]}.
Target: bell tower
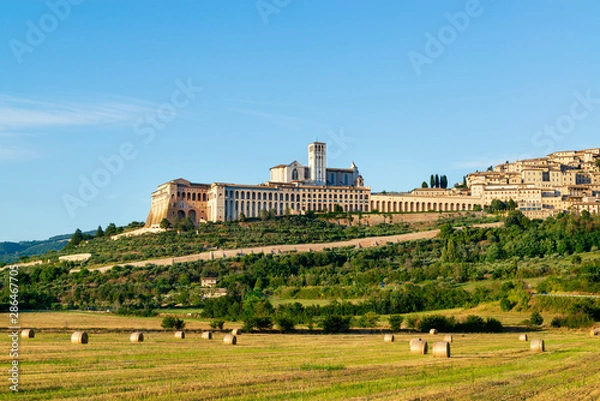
{"points": [[317, 162]]}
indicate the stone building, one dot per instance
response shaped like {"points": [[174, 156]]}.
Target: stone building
{"points": [[293, 189]]}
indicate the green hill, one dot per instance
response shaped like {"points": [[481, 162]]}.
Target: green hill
{"points": [[10, 252]]}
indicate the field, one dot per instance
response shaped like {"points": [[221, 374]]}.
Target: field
{"points": [[296, 367]]}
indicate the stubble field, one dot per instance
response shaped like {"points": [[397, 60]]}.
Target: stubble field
{"points": [[304, 367]]}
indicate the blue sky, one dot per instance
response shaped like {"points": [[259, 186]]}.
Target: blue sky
{"points": [[223, 90]]}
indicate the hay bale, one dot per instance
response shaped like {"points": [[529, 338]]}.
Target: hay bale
{"points": [[207, 335], [388, 338], [180, 334], [230, 339], [523, 337], [236, 332], [28, 333], [79, 337], [433, 331], [418, 347], [537, 345], [136, 337], [594, 332], [441, 349], [448, 338]]}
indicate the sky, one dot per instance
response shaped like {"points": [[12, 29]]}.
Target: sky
{"points": [[101, 101]]}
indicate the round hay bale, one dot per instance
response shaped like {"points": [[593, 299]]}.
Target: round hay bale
{"points": [[236, 332], [523, 337], [441, 349], [207, 335], [230, 339], [388, 338], [433, 331], [79, 337], [593, 332], [28, 333], [537, 345], [180, 334], [418, 347], [448, 338], [136, 337]]}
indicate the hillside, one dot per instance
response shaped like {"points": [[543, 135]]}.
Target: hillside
{"points": [[458, 268], [10, 252]]}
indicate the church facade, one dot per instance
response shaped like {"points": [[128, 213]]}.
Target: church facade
{"points": [[292, 189]]}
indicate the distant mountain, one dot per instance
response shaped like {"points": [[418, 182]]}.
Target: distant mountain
{"points": [[11, 251]]}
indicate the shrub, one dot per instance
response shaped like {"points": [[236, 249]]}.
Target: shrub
{"points": [[506, 305], [472, 324], [257, 322], [557, 321], [439, 322], [285, 323], [395, 322], [217, 324], [493, 325], [172, 322], [536, 319], [370, 319], [335, 324], [412, 322]]}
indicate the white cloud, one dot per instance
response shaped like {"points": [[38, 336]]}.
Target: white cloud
{"points": [[17, 154], [21, 113]]}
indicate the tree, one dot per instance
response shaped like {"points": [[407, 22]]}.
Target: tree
{"points": [[99, 232], [511, 205], [264, 214], [165, 223], [111, 230], [598, 163], [172, 322], [536, 319], [217, 324], [437, 181], [432, 181], [424, 185], [338, 208], [443, 182], [76, 238], [335, 324], [395, 322]]}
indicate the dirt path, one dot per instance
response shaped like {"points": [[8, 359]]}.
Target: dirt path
{"points": [[276, 249]]}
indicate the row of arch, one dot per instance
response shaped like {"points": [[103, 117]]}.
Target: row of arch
{"points": [[252, 195], [190, 196], [418, 206], [253, 208]]}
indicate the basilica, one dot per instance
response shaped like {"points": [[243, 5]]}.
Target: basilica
{"points": [[292, 189]]}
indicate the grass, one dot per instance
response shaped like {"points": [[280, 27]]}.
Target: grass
{"points": [[301, 367]]}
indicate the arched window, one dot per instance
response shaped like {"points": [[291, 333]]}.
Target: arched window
{"points": [[294, 174]]}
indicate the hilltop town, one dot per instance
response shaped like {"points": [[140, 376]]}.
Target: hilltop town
{"points": [[566, 181]]}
